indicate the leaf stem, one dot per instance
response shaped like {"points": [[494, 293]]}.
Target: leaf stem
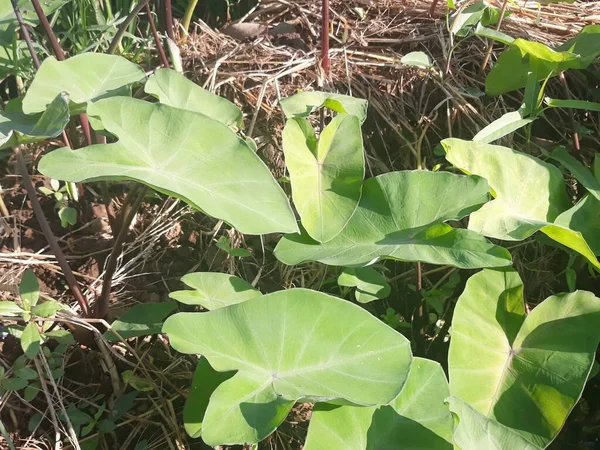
{"points": [[25, 34], [488, 52], [52, 242], [325, 38], [121, 30], [127, 214], [157, 41], [563, 80], [169, 20]]}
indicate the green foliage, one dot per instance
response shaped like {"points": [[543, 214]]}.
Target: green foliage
{"points": [[85, 78], [180, 153], [173, 89], [417, 418], [370, 285], [526, 371], [326, 174], [416, 59], [29, 290], [529, 196], [17, 128], [280, 362], [214, 290], [141, 320], [304, 103], [31, 340], [8, 20], [401, 215]]}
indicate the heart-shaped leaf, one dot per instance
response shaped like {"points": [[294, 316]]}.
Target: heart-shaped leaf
{"points": [[370, 284], [416, 419], [530, 195], [86, 77], [214, 290], [320, 348], [524, 371], [474, 431], [400, 216], [302, 104], [17, 128], [184, 154], [173, 89], [326, 175]]}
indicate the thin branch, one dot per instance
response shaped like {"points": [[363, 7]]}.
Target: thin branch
{"points": [[325, 38], [56, 48], [127, 215], [25, 34], [490, 46], [563, 80], [169, 20], [433, 6], [52, 242], [121, 31], [157, 41]]}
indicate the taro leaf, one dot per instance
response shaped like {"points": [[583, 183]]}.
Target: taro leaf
{"points": [[17, 128], [501, 127], [400, 216], [31, 340], [326, 175], [416, 419], [320, 348], [579, 171], [173, 89], [416, 59], [370, 284], [584, 218], [524, 371], [530, 195], [180, 153], [29, 290], [8, 20], [302, 104], [474, 431], [87, 77], [141, 320], [522, 57], [205, 381], [214, 290], [10, 309]]}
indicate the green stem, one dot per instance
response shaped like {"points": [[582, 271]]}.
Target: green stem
{"points": [[187, 17]]}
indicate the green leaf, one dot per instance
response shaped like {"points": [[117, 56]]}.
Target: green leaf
{"points": [[225, 244], [77, 416], [416, 59], [8, 20], [141, 320], [474, 431], [501, 127], [123, 405], [17, 128], [573, 104], [400, 216], [493, 34], [10, 309], [370, 284], [214, 290], [31, 340], [530, 195], [584, 218], [138, 383], [86, 77], [63, 337], [68, 216], [319, 348], [27, 373], [524, 371], [14, 384], [326, 175], [302, 104], [180, 153], [206, 380], [173, 89], [416, 419], [48, 309], [579, 171], [32, 391]]}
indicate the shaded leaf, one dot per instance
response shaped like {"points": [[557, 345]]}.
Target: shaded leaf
{"points": [[27, 373], [524, 371], [86, 77], [530, 195], [225, 244], [579, 171], [370, 284], [326, 175], [68, 216], [474, 431], [183, 154], [17, 128], [319, 348], [416, 419], [14, 384], [214, 290], [400, 216], [302, 104], [205, 381], [141, 320], [138, 383], [48, 309], [173, 89]]}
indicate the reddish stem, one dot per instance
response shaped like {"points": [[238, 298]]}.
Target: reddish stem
{"points": [[157, 41], [433, 6], [169, 20], [325, 38], [58, 51]]}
